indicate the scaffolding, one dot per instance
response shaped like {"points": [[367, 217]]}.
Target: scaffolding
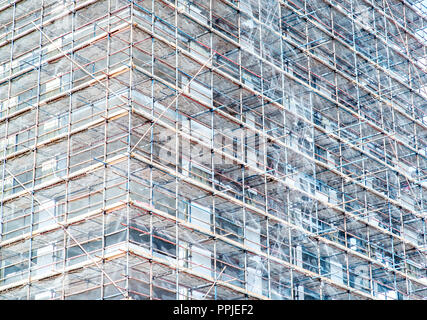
{"points": [[213, 149]]}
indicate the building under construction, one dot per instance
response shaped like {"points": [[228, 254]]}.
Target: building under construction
{"points": [[213, 149]]}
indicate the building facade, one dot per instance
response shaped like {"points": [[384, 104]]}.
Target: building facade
{"points": [[213, 149]]}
